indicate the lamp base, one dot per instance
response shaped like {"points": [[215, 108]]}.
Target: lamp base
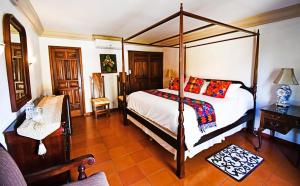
{"points": [[283, 95]]}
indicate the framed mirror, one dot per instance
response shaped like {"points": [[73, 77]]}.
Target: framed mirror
{"points": [[16, 62]]}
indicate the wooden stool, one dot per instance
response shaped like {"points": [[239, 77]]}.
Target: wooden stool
{"points": [[101, 106]]}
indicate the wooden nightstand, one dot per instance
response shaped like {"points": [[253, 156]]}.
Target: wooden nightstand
{"points": [[279, 119]]}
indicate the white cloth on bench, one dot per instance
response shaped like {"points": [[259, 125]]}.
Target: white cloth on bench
{"points": [[49, 120]]}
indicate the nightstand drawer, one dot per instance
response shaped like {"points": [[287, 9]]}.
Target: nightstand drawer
{"points": [[276, 117], [297, 123], [277, 125]]}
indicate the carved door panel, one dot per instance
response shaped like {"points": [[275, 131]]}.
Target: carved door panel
{"points": [[139, 71], [146, 70], [156, 71], [66, 76]]}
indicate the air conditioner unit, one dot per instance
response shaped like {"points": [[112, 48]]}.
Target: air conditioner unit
{"points": [[108, 44]]}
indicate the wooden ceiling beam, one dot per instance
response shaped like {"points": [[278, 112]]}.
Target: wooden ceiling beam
{"points": [[150, 45], [104, 37], [270, 17]]}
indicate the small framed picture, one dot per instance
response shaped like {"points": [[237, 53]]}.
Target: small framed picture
{"points": [[108, 63]]}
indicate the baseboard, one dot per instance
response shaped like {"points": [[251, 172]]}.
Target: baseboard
{"points": [[88, 114], [114, 110]]}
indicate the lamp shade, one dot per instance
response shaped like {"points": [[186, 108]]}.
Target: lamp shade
{"points": [[286, 77]]}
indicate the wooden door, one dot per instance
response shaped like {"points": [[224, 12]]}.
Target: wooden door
{"points": [[66, 75], [146, 70], [155, 71], [138, 63]]}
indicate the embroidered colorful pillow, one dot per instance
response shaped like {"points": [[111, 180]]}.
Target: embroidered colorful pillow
{"points": [[217, 89], [194, 85], [174, 84]]}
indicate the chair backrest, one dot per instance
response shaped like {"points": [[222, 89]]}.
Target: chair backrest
{"points": [[119, 81], [10, 174], [98, 90]]}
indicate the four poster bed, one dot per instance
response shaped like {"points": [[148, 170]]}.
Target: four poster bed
{"points": [[155, 115]]}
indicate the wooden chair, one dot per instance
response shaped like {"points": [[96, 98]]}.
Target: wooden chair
{"points": [[120, 91], [10, 174], [100, 103]]}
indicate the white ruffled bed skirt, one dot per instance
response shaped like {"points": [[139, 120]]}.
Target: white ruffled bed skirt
{"points": [[195, 150]]}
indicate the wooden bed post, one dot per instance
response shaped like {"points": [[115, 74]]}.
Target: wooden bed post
{"points": [[185, 61], [124, 85], [250, 124], [254, 83], [255, 74], [180, 132]]}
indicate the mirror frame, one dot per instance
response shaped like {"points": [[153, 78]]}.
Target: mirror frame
{"points": [[9, 19]]}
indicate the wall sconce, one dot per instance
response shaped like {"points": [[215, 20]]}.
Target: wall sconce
{"points": [[170, 73], [31, 60], [2, 45]]}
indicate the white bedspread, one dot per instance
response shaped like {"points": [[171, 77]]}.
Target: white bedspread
{"points": [[165, 112]]}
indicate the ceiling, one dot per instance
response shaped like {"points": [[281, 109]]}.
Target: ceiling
{"points": [[125, 17]]}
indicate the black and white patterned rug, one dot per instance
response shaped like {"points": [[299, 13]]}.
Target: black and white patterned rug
{"points": [[235, 161]]}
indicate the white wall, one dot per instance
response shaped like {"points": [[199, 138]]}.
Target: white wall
{"points": [[90, 63], [171, 61], [279, 48], [7, 116]]}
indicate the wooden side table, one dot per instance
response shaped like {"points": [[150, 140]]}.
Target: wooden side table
{"points": [[279, 119]]}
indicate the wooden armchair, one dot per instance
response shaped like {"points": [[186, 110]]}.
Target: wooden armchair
{"points": [[120, 91], [10, 174]]}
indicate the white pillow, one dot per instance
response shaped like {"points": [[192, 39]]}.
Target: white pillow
{"points": [[204, 87], [232, 89]]}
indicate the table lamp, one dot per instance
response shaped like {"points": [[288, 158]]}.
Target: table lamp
{"points": [[170, 75], [285, 78]]}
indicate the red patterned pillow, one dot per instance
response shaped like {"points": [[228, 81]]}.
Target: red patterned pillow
{"points": [[217, 89], [174, 84], [194, 85]]}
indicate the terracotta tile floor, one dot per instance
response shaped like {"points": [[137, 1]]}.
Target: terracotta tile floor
{"points": [[128, 157]]}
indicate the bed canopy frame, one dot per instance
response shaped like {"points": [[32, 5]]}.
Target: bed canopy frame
{"points": [[181, 45]]}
